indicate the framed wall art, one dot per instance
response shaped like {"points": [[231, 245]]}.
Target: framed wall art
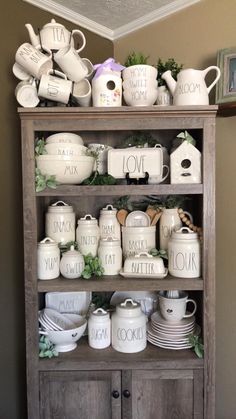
{"points": [[226, 86]]}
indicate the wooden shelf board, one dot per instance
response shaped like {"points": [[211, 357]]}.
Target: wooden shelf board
{"points": [[86, 358], [103, 190], [227, 109], [118, 283]]}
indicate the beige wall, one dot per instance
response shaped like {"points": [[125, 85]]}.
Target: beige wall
{"points": [[193, 37], [14, 14]]}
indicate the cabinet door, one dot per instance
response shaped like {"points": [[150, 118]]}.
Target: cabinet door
{"points": [[162, 394], [80, 395]]}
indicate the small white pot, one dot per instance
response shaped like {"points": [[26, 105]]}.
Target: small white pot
{"points": [[72, 264]]}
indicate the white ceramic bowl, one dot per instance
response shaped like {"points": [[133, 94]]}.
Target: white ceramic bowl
{"points": [[66, 149], [139, 71], [140, 97], [67, 170], [64, 138], [65, 340]]}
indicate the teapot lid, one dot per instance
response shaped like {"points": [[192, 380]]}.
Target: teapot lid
{"points": [[53, 24]]}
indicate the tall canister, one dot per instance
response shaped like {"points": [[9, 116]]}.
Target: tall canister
{"points": [[184, 254], [60, 222], [48, 259], [108, 223], [87, 235], [138, 239], [129, 327], [110, 253], [99, 329]]}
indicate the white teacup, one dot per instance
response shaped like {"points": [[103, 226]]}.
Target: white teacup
{"points": [[154, 180], [26, 93], [174, 309], [71, 63], [33, 61], [82, 93], [90, 68], [55, 88]]}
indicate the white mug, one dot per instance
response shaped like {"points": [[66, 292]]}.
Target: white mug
{"points": [[174, 309], [20, 73], [55, 88], [82, 92], [71, 63], [154, 180], [90, 68], [33, 61], [26, 93]]}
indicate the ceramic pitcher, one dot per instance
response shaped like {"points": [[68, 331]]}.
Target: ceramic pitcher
{"points": [[169, 221]]}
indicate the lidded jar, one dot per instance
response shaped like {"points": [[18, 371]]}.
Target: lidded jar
{"points": [[60, 222], [87, 235], [110, 253], [129, 327], [72, 264], [108, 223], [99, 329], [184, 254], [48, 259]]}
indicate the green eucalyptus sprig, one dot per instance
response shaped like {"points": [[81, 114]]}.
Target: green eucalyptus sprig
{"points": [[44, 181], [40, 147], [46, 348], [93, 266], [160, 253], [198, 347]]}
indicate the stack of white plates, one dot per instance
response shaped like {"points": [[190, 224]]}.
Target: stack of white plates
{"points": [[170, 335]]}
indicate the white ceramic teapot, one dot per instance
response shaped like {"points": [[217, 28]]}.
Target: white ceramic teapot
{"points": [[190, 88], [54, 36]]}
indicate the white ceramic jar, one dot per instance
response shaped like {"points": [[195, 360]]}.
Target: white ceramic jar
{"points": [[184, 254], [108, 223], [48, 259], [129, 327], [72, 264], [169, 221], [60, 222], [110, 253], [87, 235], [138, 239], [99, 329]]}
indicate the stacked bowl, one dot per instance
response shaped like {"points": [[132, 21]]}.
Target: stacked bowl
{"points": [[140, 85], [66, 159]]}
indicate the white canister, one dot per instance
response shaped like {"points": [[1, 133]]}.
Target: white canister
{"points": [[72, 264], [99, 329], [169, 221], [129, 327], [138, 239], [60, 222], [87, 235], [48, 259], [110, 253], [184, 254], [108, 223]]}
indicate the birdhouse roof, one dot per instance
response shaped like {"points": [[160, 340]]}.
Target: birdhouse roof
{"points": [[185, 147]]}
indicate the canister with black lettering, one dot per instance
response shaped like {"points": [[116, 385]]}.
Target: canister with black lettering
{"points": [[48, 259], [87, 235], [184, 254], [60, 222], [129, 327], [99, 329], [110, 253]]}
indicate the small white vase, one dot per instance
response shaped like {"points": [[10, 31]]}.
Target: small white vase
{"points": [[164, 97]]}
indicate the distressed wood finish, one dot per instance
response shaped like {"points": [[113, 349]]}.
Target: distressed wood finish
{"points": [[163, 383]]}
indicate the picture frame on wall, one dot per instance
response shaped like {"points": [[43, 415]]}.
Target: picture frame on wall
{"points": [[226, 86]]}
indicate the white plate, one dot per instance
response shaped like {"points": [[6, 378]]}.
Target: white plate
{"points": [[181, 324], [137, 219], [172, 332], [169, 346], [57, 319], [135, 275], [172, 338], [69, 302]]}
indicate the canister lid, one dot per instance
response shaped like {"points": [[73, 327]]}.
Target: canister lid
{"points": [[109, 242], [129, 308], [88, 220], [109, 209], [184, 233], [72, 253], [59, 207], [47, 243], [99, 315]]}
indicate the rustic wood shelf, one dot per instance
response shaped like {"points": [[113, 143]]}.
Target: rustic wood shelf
{"points": [[113, 190], [86, 358], [113, 283]]}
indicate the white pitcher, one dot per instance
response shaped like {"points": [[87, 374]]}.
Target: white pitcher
{"points": [[169, 221]]}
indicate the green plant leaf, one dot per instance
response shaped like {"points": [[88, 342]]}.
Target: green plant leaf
{"points": [[135, 58]]}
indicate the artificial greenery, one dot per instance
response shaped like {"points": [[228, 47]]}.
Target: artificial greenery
{"points": [[40, 147], [44, 181], [135, 58], [139, 139], [198, 347], [169, 201], [93, 266], [185, 136], [101, 300], [46, 348], [100, 179], [160, 253], [163, 66]]}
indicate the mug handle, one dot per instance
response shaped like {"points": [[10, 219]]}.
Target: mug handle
{"points": [[80, 33], [167, 172], [212, 67], [194, 310], [57, 73]]}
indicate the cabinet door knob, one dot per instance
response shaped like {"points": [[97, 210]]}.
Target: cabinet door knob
{"points": [[126, 394], [115, 394]]}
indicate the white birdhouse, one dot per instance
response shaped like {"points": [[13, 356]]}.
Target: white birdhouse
{"points": [[185, 164]]}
